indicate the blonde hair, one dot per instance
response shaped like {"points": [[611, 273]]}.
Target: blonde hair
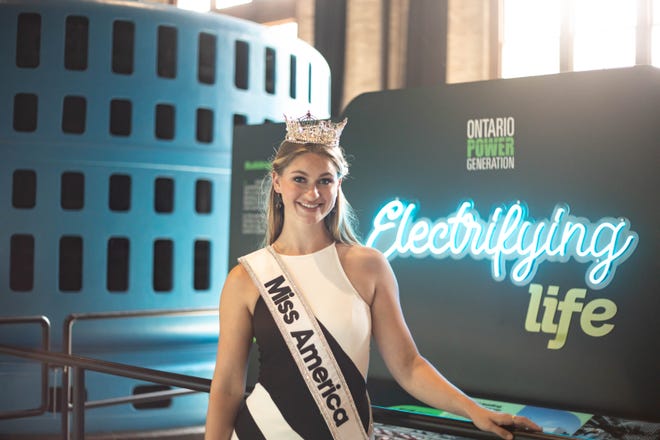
{"points": [[341, 221]]}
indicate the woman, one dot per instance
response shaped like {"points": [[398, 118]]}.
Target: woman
{"points": [[312, 379]]}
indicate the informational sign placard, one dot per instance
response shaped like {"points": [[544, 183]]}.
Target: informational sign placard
{"points": [[254, 147], [552, 421], [520, 217]]}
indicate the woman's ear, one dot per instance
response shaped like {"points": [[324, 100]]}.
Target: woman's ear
{"points": [[276, 181]]}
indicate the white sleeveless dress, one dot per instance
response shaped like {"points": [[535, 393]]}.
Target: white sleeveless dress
{"points": [[280, 406]]}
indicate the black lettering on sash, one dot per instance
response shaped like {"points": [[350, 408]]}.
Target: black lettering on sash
{"points": [[285, 307], [278, 294], [340, 417], [276, 283], [308, 352], [302, 337], [333, 401], [291, 317], [313, 360]]}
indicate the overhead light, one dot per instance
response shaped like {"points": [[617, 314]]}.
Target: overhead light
{"points": [[220, 4], [195, 5], [205, 5]]}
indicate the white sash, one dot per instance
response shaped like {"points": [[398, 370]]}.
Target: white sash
{"points": [[306, 342]]}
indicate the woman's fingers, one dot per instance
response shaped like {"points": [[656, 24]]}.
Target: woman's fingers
{"points": [[516, 423], [525, 423]]}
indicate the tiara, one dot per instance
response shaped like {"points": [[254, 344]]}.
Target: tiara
{"points": [[308, 129]]}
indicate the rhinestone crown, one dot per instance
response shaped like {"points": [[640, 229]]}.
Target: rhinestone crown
{"points": [[308, 129]]}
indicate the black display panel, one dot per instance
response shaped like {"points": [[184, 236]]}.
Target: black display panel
{"points": [[521, 220], [553, 322]]}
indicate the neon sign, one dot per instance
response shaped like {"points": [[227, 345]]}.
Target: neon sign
{"points": [[508, 235]]}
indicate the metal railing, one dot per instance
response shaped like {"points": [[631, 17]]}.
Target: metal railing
{"points": [[67, 348], [45, 345], [79, 365], [75, 404]]}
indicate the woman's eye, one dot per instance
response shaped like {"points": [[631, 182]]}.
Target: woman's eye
{"points": [[299, 179], [326, 181]]}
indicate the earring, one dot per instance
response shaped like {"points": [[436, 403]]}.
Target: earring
{"points": [[278, 201]]}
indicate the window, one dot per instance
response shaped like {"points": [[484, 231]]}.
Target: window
{"points": [[203, 191], [548, 36], [162, 265], [21, 264], [28, 40], [239, 119], [71, 263], [164, 195], [74, 114], [120, 192], [123, 36], [24, 189], [164, 121], [25, 112], [270, 62], [151, 404], [167, 52], [241, 64], [76, 42], [205, 125], [202, 264], [206, 58], [72, 190], [604, 34], [292, 76], [309, 83], [120, 117], [117, 264], [530, 43]]}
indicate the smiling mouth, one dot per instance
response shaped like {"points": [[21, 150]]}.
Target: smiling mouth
{"points": [[309, 206]]}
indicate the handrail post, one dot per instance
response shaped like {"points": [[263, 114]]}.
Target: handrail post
{"points": [[45, 345], [78, 403], [66, 373], [65, 408]]}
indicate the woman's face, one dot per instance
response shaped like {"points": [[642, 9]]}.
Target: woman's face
{"points": [[308, 187]]}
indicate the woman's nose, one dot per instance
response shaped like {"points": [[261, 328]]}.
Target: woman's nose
{"points": [[313, 191]]}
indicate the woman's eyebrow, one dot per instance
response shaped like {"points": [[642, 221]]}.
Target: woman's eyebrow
{"points": [[327, 173]]}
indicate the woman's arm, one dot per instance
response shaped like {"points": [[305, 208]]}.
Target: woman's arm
{"points": [[414, 373], [228, 385]]}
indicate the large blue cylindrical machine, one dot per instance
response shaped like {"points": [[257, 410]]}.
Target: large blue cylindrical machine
{"points": [[116, 121]]}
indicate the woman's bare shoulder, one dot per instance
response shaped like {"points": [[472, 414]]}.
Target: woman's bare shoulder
{"points": [[239, 286], [363, 257], [238, 276]]}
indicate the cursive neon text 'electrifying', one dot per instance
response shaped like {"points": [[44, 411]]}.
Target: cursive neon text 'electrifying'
{"points": [[508, 234]]}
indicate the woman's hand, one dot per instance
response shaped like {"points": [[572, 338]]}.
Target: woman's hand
{"points": [[493, 421]]}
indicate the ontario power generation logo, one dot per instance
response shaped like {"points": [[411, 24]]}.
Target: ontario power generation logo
{"points": [[491, 144]]}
